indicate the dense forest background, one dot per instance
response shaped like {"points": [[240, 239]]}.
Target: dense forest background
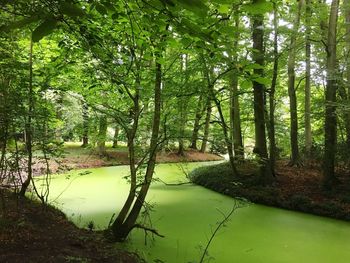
{"points": [[259, 80]]}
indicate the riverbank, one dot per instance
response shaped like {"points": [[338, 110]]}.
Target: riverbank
{"points": [[30, 232], [298, 189]]}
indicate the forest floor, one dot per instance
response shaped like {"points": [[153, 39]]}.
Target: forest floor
{"points": [[30, 233], [295, 188]]}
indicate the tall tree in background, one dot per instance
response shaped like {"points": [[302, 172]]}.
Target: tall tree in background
{"points": [[295, 156], [272, 103], [347, 57], [330, 95], [235, 115], [307, 116], [265, 171]]}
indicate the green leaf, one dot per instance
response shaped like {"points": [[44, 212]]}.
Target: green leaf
{"points": [[262, 80], [71, 10], [224, 9], [195, 6], [44, 29], [101, 9], [259, 8]]}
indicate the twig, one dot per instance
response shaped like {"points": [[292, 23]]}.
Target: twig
{"points": [[154, 231]]}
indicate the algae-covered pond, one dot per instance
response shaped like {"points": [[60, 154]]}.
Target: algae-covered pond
{"points": [[186, 215]]}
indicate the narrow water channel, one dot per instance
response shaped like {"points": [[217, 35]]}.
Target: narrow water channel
{"points": [[186, 215]]}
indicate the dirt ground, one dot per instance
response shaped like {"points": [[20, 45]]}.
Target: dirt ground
{"points": [[30, 233]]}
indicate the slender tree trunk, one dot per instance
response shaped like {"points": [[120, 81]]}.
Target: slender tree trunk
{"points": [[196, 126], [307, 118], [265, 172], [102, 132], [272, 103], [115, 137], [182, 107], [121, 229], [206, 126], [330, 94], [85, 110], [295, 156], [29, 128], [235, 115]]}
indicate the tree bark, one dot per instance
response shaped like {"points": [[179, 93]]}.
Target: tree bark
{"points": [[101, 140], [206, 126], [330, 94], [295, 155], [196, 125], [307, 118], [235, 114], [347, 85], [121, 228], [85, 114], [115, 137], [182, 103], [265, 172], [272, 103], [29, 128]]}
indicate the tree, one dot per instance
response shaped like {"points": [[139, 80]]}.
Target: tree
{"points": [[330, 96], [295, 156], [258, 90]]}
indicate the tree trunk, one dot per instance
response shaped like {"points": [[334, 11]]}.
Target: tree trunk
{"points": [[347, 85], [265, 172], [115, 137], [121, 229], [29, 128], [330, 94], [206, 126], [183, 101], [307, 118], [272, 103], [85, 114], [102, 132], [235, 115], [196, 126], [295, 156]]}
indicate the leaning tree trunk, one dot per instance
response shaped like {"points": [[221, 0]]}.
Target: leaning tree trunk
{"points": [[295, 156], [330, 94], [121, 228], [265, 172], [29, 128], [272, 103]]}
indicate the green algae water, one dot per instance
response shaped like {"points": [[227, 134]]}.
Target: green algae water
{"points": [[187, 214]]}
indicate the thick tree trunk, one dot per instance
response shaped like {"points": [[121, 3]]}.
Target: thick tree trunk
{"points": [[29, 128], [102, 132], [307, 118], [347, 40], [196, 125], [121, 229], [85, 135], [206, 126], [330, 94], [272, 103], [115, 137], [295, 156], [235, 115], [265, 172]]}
